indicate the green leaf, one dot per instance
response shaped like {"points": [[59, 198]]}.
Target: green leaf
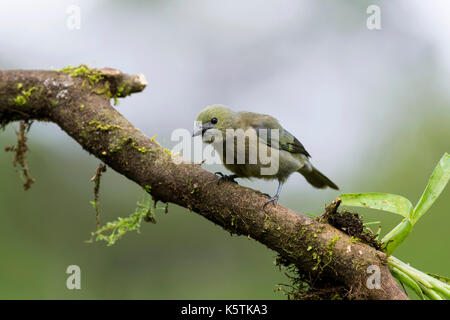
{"points": [[436, 184], [430, 293], [431, 287], [440, 278], [396, 236], [403, 277], [382, 201]]}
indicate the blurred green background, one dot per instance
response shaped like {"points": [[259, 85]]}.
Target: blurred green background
{"points": [[372, 107]]}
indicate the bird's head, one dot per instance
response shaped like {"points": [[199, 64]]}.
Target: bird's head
{"points": [[213, 120]]}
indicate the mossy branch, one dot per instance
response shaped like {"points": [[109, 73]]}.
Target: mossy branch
{"points": [[78, 100]]}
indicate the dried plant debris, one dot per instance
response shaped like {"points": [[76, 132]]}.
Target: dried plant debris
{"points": [[96, 179], [20, 149], [301, 287], [350, 223]]}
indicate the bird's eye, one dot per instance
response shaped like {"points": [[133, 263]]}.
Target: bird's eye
{"points": [[214, 120]]}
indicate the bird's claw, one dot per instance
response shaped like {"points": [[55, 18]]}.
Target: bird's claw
{"points": [[224, 177], [274, 200]]}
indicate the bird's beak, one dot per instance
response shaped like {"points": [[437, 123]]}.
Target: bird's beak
{"points": [[198, 129]]}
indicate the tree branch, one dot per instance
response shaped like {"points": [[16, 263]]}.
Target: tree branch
{"points": [[78, 100]]}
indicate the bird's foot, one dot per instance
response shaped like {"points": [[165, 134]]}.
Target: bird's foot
{"points": [[273, 199], [224, 177]]}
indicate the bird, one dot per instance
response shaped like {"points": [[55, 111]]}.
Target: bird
{"points": [[220, 126]]}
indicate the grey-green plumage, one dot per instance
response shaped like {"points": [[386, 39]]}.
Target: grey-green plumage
{"points": [[291, 154]]}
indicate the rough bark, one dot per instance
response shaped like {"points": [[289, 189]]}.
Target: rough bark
{"points": [[79, 102]]}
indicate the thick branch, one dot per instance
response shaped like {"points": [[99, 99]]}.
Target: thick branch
{"points": [[80, 104]]}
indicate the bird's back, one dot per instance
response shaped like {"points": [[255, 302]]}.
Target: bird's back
{"points": [[246, 120]]}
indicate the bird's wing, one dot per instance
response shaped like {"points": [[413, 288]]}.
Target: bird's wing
{"points": [[287, 141]]}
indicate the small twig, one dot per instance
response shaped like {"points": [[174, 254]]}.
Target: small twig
{"points": [[96, 179]]}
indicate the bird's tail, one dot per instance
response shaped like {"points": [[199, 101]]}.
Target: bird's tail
{"points": [[316, 178]]}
